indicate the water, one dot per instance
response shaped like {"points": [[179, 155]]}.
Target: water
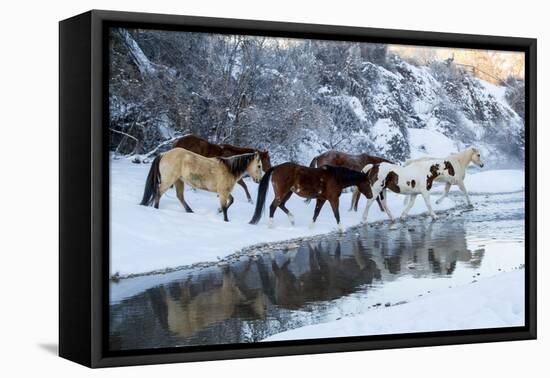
{"points": [[253, 297]]}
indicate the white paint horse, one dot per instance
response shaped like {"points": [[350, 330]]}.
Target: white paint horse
{"points": [[460, 162], [414, 179]]}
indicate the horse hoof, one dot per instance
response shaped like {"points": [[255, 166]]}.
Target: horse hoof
{"points": [[250, 201]]}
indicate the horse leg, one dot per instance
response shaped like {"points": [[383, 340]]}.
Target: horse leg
{"points": [[243, 184], [179, 192], [276, 202], [445, 193], [375, 193], [318, 206], [426, 196], [463, 188], [354, 199], [379, 201], [287, 212], [230, 200], [163, 187], [223, 204], [229, 203], [335, 203], [409, 205], [384, 204]]}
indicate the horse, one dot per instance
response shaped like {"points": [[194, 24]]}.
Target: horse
{"points": [[325, 183], [416, 178], [460, 162], [355, 162], [203, 147], [218, 174]]}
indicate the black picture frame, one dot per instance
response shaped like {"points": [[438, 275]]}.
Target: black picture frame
{"points": [[84, 188]]}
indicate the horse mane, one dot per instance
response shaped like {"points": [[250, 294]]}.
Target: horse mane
{"points": [[343, 173], [237, 164]]}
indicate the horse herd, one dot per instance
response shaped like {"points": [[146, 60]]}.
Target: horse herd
{"points": [[217, 168]]}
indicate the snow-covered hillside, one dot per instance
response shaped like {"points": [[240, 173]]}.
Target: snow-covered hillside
{"points": [[297, 99], [144, 239]]}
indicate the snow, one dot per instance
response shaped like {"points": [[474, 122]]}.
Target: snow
{"points": [[356, 107], [493, 302], [144, 239], [324, 90], [497, 91], [382, 132], [424, 142], [495, 181]]}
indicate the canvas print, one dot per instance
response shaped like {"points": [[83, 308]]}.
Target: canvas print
{"points": [[273, 189]]}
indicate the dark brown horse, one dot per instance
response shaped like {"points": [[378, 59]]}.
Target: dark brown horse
{"points": [[355, 162], [203, 147], [324, 184]]}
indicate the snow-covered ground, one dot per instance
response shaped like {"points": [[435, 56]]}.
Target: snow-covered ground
{"points": [[493, 302], [144, 239], [495, 181]]}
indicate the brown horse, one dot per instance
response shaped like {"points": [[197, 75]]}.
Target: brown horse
{"points": [[355, 162], [179, 166], [203, 147], [325, 183]]}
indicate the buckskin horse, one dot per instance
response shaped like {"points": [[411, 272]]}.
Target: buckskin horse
{"points": [[355, 162], [219, 174], [205, 148], [325, 183]]}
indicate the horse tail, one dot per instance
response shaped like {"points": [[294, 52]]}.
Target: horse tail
{"points": [[262, 192], [313, 163], [152, 183]]}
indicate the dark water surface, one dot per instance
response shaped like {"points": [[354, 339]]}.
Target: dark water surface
{"points": [[253, 297]]}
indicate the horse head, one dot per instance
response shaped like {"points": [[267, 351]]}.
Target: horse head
{"points": [[254, 168], [476, 156]]}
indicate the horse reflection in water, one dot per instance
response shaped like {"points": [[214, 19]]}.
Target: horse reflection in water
{"points": [[321, 276], [425, 248], [186, 310], [251, 298]]}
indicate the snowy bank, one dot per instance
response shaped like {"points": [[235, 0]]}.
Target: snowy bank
{"points": [[494, 302], [144, 239]]}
